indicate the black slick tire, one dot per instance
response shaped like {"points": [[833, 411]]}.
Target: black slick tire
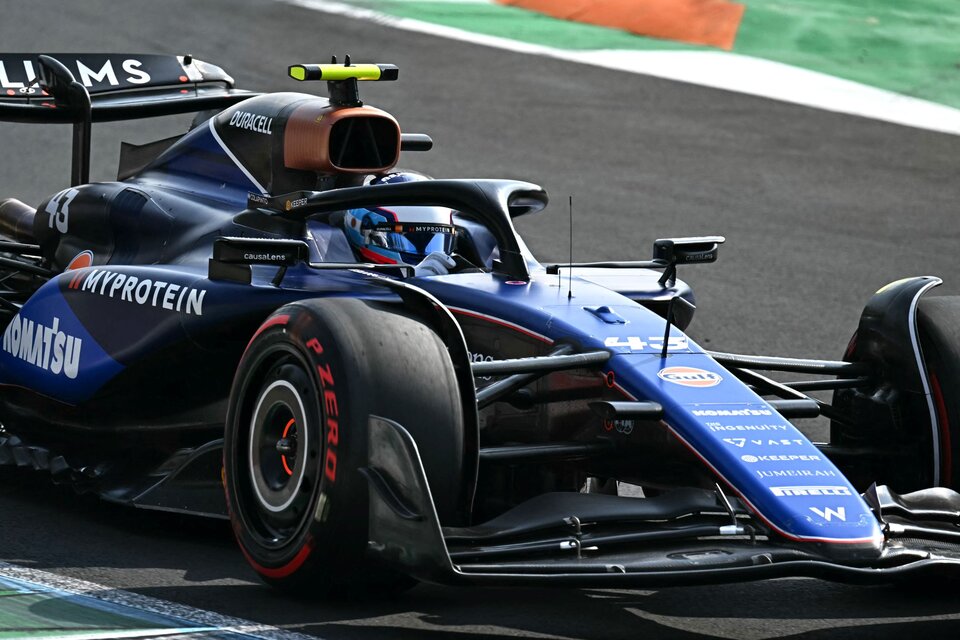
{"points": [[296, 437]]}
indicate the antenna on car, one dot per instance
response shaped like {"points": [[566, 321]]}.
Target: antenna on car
{"points": [[666, 331], [570, 269]]}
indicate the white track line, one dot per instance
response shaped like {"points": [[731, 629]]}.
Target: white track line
{"points": [[207, 620], [719, 70]]}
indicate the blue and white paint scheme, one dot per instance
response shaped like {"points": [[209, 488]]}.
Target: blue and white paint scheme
{"points": [[782, 476]]}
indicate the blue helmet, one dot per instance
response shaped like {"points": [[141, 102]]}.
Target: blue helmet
{"points": [[400, 234]]}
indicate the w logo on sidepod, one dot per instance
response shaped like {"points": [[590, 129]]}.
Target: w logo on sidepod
{"points": [[690, 377]]}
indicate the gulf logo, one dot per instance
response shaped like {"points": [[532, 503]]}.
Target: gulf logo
{"points": [[690, 376]]}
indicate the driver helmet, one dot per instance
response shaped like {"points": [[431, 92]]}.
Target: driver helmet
{"points": [[399, 235]]}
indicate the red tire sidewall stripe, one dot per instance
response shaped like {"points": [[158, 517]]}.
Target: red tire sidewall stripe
{"points": [[297, 561], [287, 569], [270, 322]]}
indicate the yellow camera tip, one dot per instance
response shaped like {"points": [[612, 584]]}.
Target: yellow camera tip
{"points": [[298, 73]]}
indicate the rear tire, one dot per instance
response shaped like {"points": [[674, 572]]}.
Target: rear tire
{"points": [[297, 434], [938, 323]]}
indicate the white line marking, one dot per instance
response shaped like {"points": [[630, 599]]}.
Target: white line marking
{"points": [[719, 70], [147, 634], [924, 374], [237, 162], [199, 617]]}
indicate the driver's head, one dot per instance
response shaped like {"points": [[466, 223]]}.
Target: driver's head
{"points": [[399, 234]]}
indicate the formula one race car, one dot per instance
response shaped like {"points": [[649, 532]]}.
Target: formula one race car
{"points": [[201, 336]]}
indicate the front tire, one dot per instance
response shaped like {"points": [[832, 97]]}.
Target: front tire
{"points": [[296, 437]]}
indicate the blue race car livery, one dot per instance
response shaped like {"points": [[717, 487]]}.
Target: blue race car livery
{"points": [[200, 336]]}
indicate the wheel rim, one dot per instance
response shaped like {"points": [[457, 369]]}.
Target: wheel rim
{"points": [[279, 460]]}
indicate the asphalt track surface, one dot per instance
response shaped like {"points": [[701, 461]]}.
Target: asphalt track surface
{"points": [[819, 210]]}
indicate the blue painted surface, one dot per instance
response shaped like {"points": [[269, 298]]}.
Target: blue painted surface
{"points": [[767, 460], [46, 348], [198, 164]]}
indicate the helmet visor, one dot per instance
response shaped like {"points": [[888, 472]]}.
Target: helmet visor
{"points": [[412, 240]]}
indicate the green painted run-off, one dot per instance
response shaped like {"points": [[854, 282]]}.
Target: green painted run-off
{"points": [[907, 46], [34, 612]]}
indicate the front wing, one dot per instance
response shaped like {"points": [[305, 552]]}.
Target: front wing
{"points": [[684, 537]]}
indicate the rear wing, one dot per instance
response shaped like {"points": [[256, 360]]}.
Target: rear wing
{"points": [[120, 87], [86, 88]]}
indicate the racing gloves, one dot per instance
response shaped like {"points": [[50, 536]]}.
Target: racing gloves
{"points": [[436, 264]]}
